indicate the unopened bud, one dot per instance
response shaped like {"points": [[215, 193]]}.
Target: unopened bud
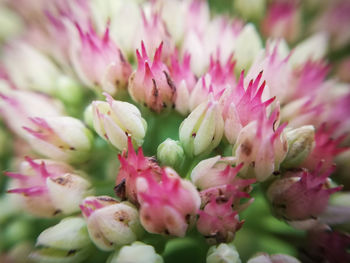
{"points": [[170, 153], [137, 252], [248, 46], [202, 130], [115, 120], [223, 253], [111, 223], [69, 234], [300, 143], [60, 138]]}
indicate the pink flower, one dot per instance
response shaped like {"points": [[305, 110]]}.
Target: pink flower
{"points": [[218, 222], [151, 84], [49, 187], [99, 62], [282, 20], [326, 148], [133, 166], [301, 195], [242, 106], [167, 206], [17, 106], [261, 146]]}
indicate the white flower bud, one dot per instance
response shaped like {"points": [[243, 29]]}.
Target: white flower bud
{"points": [[223, 253], [115, 120], [247, 47], [137, 252]]}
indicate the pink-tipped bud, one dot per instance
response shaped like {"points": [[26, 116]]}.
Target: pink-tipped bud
{"points": [[49, 187], [17, 107], [202, 130], [301, 195], [61, 138], [218, 222], [283, 20], [115, 120], [151, 83], [276, 258], [132, 166], [111, 223], [168, 206], [99, 62], [261, 146], [243, 105]]}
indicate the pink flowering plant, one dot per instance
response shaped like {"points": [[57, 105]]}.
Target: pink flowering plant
{"points": [[174, 131]]}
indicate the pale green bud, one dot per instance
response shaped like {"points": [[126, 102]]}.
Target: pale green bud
{"points": [[223, 253], [170, 153], [70, 233], [137, 252], [300, 143], [250, 9], [69, 90], [202, 130], [66, 242], [247, 47], [10, 22], [88, 116]]}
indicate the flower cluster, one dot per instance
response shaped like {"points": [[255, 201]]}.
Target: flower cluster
{"points": [[158, 130]]}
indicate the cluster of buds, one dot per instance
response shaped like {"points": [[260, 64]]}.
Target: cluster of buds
{"points": [[48, 187]]}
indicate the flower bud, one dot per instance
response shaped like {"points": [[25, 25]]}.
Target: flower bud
{"points": [[115, 120], [247, 47], [276, 258], [170, 153], [17, 107], [111, 223], [300, 143], [223, 253], [169, 206], [261, 147], [212, 172], [137, 252], [283, 20], [36, 72], [306, 50], [49, 187], [151, 84], [11, 23], [301, 195], [132, 166], [202, 130], [218, 222], [69, 234], [61, 138], [99, 62], [251, 9]]}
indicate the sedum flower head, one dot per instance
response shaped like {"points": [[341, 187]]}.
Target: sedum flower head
{"points": [[115, 120]]}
